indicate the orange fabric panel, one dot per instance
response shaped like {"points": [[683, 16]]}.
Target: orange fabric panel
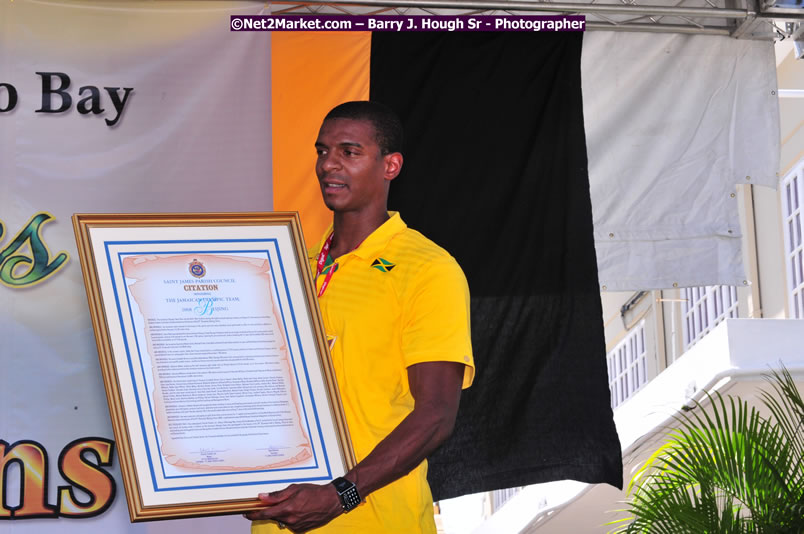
{"points": [[311, 72]]}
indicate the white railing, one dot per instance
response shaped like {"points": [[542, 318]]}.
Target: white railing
{"points": [[792, 190], [627, 365], [704, 308], [500, 497]]}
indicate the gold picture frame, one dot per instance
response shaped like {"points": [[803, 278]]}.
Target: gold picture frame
{"points": [[214, 358]]}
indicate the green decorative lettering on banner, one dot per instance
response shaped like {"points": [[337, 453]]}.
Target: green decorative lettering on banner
{"points": [[14, 258]]}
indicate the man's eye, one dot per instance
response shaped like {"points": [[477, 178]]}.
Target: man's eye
{"points": [[350, 152], [320, 151]]}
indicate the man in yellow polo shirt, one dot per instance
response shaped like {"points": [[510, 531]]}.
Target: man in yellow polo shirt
{"points": [[396, 306]]}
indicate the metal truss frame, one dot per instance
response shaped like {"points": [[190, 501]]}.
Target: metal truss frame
{"points": [[741, 19]]}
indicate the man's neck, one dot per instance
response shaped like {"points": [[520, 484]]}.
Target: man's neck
{"points": [[352, 228]]}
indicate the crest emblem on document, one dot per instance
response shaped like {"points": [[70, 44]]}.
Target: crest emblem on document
{"points": [[197, 269]]}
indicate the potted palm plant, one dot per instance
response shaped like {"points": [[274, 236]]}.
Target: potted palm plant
{"points": [[726, 469]]}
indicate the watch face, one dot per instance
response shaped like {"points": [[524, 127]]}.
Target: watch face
{"points": [[341, 484], [350, 499]]}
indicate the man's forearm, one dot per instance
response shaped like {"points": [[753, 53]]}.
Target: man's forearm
{"points": [[436, 387]]}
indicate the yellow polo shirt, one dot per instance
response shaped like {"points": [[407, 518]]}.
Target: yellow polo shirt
{"points": [[397, 300]]}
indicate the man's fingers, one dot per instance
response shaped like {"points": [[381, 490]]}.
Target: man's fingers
{"points": [[267, 514], [256, 516], [273, 509], [275, 497]]}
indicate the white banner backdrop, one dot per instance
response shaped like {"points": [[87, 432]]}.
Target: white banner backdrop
{"points": [[673, 124], [167, 110]]}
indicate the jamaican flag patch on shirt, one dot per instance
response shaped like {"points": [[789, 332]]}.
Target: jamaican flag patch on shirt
{"points": [[381, 264]]}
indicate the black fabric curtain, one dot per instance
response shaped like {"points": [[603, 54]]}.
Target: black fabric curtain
{"points": [[496, 172]]}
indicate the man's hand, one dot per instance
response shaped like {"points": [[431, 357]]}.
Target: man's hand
{"points": [[300, 507]]}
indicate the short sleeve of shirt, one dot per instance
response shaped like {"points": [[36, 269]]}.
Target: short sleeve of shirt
{"points": [[436, 318]]}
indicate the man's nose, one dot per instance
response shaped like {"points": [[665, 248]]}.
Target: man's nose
{"points": [[328, 162]]}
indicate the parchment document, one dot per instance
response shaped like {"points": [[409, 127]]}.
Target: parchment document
{"points": [[224, 394]]}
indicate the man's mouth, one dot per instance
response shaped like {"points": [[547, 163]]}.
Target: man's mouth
{"points": [[332, 185]]}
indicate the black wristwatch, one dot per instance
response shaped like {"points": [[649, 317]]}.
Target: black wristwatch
{"points": [[347, 492]]}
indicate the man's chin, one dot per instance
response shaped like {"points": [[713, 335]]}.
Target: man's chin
{"points": [[334, 203], [337, 207]]}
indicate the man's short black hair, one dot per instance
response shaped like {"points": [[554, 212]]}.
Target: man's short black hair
{"points": [[387, 125]]}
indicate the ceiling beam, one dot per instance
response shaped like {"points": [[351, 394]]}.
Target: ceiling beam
{"points": [[552, 7]]}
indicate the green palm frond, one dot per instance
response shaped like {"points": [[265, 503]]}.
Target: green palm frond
{"points": [[726, 469]]}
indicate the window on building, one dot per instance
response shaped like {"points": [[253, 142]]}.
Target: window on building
{"points": [[704, 308], [792, 199], [627, 365]]}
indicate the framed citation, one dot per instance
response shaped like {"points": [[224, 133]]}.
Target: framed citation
{"points": [[214, 359]]}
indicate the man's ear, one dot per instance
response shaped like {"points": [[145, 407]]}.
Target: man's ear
{"points": [[393, 165]]}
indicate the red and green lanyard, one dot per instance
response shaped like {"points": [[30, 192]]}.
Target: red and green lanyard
{"points": [[322, 263]]}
